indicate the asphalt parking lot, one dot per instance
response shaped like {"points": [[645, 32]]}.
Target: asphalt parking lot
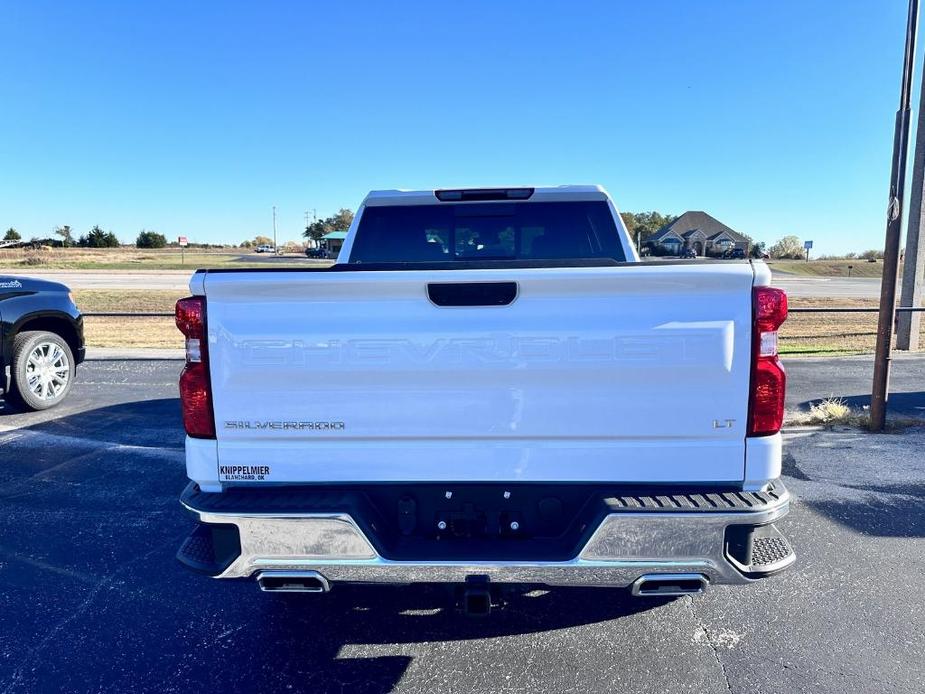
{"points": [[91, 598]]}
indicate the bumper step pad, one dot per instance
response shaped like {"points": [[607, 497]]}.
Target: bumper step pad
{"points": [[769, 551], [210, 549], [759, 551]]}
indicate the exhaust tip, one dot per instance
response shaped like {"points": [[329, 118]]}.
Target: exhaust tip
{"points": [[292, 582], [670, 584]]}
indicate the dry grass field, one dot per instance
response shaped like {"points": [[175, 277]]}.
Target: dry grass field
{"points": [[804, 334], [828, 268], [130, 332], [138, 259], [825, 334]]}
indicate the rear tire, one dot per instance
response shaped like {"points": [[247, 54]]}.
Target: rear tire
{"points": [[42, 370]]}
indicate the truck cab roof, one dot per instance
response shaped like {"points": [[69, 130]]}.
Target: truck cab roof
{"points": [[498, 193]]}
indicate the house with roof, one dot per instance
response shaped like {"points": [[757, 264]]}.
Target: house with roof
{"points": [[697, 230], [332, 242]]}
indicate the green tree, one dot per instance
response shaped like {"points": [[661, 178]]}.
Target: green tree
{"points": [[66, 234], [336, 222], [97, 238], [789, 247], [12, 235], [872, 254], [263, 241], [642, 224], [342, 220], [150, 239], [757, 249]]}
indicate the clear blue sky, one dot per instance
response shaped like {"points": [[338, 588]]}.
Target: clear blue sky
{"points": [[195, 118]]}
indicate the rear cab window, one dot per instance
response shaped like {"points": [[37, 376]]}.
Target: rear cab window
{"points": [[568, 230]]}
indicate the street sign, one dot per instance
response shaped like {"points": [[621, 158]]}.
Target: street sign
{"points": [[807, 245], [183, 241]]}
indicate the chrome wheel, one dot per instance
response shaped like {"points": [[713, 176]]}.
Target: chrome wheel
{"points": [[48, 371]]}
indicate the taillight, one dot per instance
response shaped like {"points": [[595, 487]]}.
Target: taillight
{"points": [[195, 386], [768, 379]]}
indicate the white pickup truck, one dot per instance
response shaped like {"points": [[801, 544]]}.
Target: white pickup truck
{"points": [[488, 387]]}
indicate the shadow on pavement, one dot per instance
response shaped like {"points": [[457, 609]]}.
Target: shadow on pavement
{"points": [[410, 614], [791, 468], [139, 423], [350, 625], [886, 510], [898, 515]]}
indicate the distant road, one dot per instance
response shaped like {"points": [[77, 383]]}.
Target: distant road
{"points": [[112, 279], [834, 287], [838, 287]]}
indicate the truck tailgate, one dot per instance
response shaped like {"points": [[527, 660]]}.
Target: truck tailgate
{"points": [[631, 373]]}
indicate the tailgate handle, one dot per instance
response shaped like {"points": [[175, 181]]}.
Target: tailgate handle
{"points": [[472, 293]]}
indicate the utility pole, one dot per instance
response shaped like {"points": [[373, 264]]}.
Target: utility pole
{"points": [[881, 382], [275, 248], [908, 323]]}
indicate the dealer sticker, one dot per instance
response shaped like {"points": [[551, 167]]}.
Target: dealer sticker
{"points": [[244, 473]]}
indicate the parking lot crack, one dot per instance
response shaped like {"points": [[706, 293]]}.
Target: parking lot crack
{"points": [[711, 640]]}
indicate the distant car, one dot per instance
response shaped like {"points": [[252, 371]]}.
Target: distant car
{"points": [[688, 253], [317, 253], [265, 248], [41, 341], [735, 254]]}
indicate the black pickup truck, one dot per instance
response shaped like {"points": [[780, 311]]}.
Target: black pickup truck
{"points": [[41, 341]]}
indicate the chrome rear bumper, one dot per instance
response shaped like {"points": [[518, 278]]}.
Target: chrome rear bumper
{"points": [[636, 539]]}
